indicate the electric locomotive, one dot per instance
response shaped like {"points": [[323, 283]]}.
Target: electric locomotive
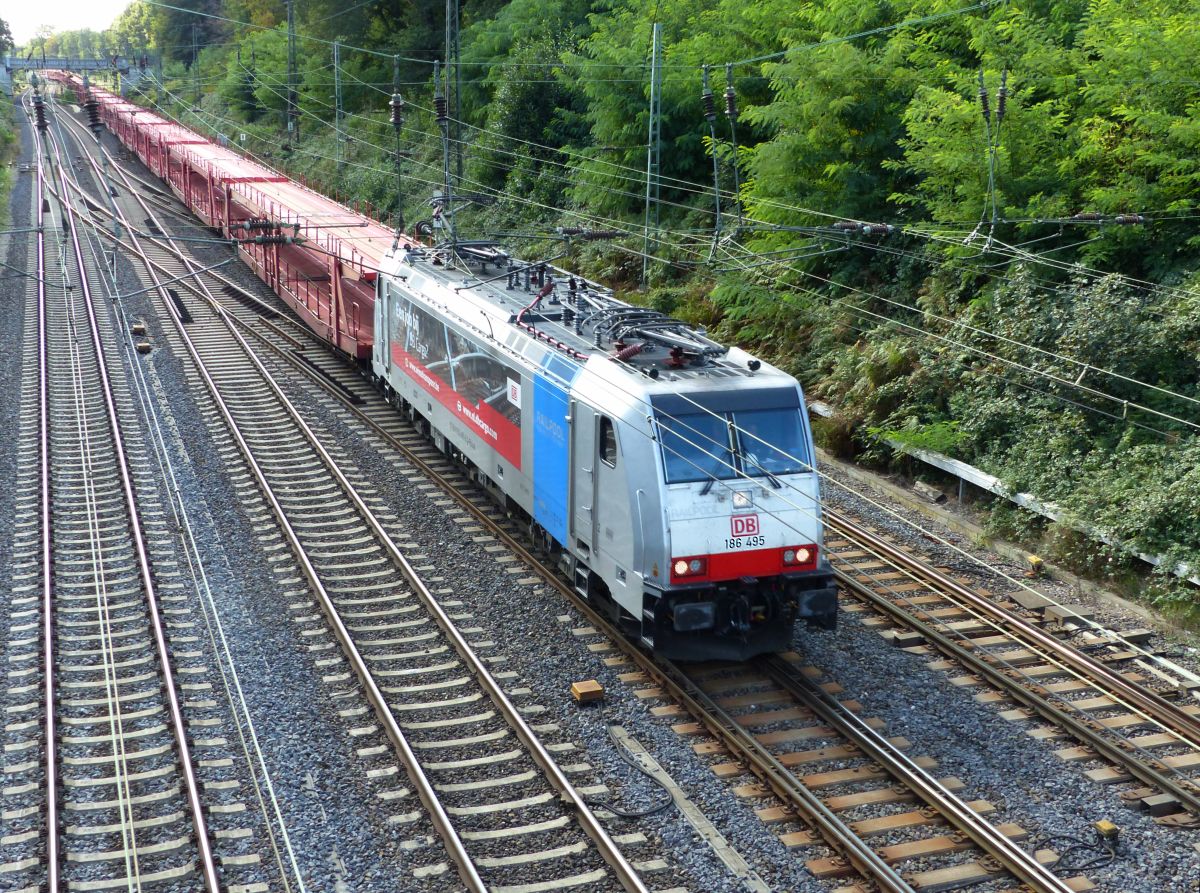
{"points": [[672, 476]]}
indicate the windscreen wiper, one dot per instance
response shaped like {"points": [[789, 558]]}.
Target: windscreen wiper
{"points": [[752, 460]]}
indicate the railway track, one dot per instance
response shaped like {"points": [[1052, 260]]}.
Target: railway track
{"points": [[392, 429], [116, 800], [955, 824], [485, 776], [1136, 718]]}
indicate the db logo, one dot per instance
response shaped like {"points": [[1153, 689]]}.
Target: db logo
{"points": [[743, 525]]}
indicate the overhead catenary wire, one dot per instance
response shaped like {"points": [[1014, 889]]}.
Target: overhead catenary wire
{"points": [[431, 181], [870, 32], [1035, 370], [1061, 380], [633, 175]]}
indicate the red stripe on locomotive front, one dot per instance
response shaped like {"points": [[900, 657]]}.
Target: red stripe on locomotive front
{"points": [[721, 567]]}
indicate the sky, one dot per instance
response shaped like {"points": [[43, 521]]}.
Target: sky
{"points": [[24, 16]]}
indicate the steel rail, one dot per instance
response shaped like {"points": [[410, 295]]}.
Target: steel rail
{"points": [[1149, 702], [778, 777], [424, 788], [53, 879], [208, 867], [625, 872], [1007, 853], [1152, 772], [767, 767], [764, 764], [695, 701], [781, 780]]}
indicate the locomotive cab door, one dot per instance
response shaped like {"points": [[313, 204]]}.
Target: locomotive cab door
{"points": [[602, 532], [583, 479], [611, 519]]}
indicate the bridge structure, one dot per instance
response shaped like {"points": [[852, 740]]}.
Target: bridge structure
{"points": [[131, 68]]}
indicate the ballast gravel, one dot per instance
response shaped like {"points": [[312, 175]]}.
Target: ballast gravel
{"points": [[996, 759], [540, 647], [15, 251], [332, 818], [1048, 797]]}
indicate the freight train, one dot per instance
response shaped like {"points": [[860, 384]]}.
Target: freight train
{"points": [[671, 477]]}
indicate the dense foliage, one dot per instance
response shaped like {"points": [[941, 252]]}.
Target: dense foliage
{"points": [[991, 323]]}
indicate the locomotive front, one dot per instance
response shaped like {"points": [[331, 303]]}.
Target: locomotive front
{"points": [[742, 557]]}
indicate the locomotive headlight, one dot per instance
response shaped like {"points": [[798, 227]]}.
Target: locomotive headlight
{"points": [[686, 568], [797, 555], [741, 499]]}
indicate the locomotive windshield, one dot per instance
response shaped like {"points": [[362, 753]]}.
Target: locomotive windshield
{"points": [[703, 446], [696, 447], [771, 441]]}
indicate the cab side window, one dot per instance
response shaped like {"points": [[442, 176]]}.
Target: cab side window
{"points": [[608, 442]]}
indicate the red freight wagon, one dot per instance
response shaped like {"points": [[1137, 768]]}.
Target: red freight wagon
{"points": [[327, 276]]}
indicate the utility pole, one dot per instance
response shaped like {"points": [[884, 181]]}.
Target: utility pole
{"points": [[454, 63], [293, 112], [195, 68], [337, 106], [710, 115], [653, 148], [396, 107], [441, 107]]}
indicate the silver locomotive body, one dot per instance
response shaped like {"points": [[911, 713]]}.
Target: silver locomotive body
{"points": [[674, 482]]}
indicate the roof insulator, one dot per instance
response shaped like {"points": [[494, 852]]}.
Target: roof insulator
{"points": [[626, 353], [397, 105], [706, 99]]}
